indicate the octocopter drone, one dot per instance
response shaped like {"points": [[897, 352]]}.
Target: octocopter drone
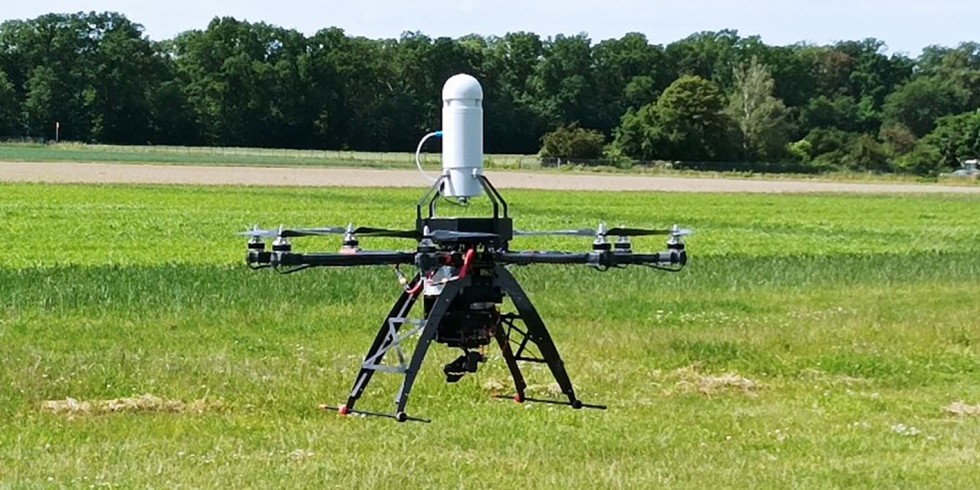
{"points": [[461, 269]]}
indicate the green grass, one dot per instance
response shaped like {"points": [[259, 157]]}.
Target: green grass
{"points": [[856, 318], [264, 157], [268, 157]]}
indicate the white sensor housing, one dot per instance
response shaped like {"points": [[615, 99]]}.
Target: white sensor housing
{"points": [[462, 136]]}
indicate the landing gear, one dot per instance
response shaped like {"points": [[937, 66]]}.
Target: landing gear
{"points": [[463, 315]]}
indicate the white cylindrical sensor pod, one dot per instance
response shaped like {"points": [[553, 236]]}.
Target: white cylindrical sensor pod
{"points": [[462, 136]]}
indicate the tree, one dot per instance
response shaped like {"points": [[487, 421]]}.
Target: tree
{"points": [[924, 160], [829, 147], [640, 91], [40, 109], [919, 103], [686, 123], [564, 85], [956, 138], [759, 117], [630, 72], [573, 142], [709, 55], [56, 59], [867, 154], [898, 139], [959, 66], [9, 108], [126, 71], [840, 112], [509, 66], [231, 79]]}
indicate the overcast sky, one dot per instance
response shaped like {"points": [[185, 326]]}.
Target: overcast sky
{"points": [[905, 25]]}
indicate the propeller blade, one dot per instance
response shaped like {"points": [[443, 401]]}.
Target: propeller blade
{"points": [[445, 235], [437, 235], [608, 232], [648, 232], [285, 233], [583, 232], [636, 232], [329, 230], [384, 232], [288, 233]]}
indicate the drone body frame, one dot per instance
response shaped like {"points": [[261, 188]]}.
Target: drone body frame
{"points": [[462, 281], [462, 273]]}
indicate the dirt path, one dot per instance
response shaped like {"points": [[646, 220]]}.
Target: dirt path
{"points": [[98, 173]]}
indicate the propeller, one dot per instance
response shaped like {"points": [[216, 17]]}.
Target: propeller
{"points": [[289, 233], [602, 231], [437, 235], [675, 231]]}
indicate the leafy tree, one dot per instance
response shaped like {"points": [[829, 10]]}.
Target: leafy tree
{"points": [[241, 83], [830, 146], [759, 117], [792, 73], [9, 108], [172, 117], [686, 123], [918, 104], [639, 135], [840, 112], [56, 60], [573, 142], [630, 72], [509, 67], [708, 55], [867, 154], [923, 160], [126, 70], [230, 71], [959, 66], [40, 107], [898, 139], [956, 138], [640, 91], [565, 83], [800, 151]]}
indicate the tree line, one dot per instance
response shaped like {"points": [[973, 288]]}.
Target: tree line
{"points": [[711, 97]]}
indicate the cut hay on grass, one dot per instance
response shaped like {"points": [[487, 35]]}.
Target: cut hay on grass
{"points": [[962, 409], [692, 380], [142, 403]]}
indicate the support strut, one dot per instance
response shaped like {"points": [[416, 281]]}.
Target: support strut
{"points": [[392, 334], [538, 334]]}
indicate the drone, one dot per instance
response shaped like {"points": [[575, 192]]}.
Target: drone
{"points": [[461, 270]]}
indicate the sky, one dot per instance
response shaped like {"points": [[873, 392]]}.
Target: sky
{"points": [[906, 26]]}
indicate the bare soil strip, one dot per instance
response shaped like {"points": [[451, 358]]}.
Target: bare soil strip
{"points": [[102, 173]]}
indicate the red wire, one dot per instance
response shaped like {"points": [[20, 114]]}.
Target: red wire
{"points": [[417, 288], [467, 262]]}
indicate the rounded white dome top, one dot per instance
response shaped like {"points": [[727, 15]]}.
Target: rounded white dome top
{"points": [[462, 86]]}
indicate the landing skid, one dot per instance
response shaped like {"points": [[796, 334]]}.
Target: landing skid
{"points": [[523, 329]]}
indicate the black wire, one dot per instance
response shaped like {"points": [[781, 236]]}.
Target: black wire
{"points": [[460, 204], [665, 269], [290, 271]]}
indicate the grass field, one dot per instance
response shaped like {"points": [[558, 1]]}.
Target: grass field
{"points": [[268, 157], [814, 341], [265, 157]]}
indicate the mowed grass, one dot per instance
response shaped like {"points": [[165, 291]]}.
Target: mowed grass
{"points": [[814, 341], [218, 156]]}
